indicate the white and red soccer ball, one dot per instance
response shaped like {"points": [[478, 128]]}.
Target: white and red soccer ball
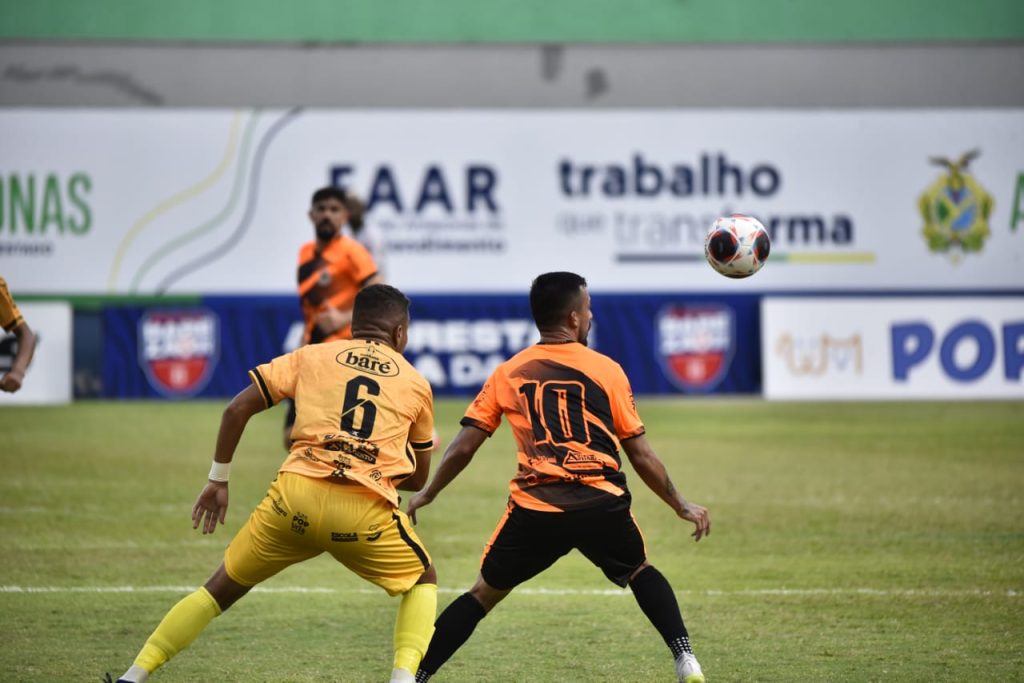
{"points": [[737, 245]]}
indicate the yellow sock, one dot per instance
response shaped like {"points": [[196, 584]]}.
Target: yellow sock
{"points": [[179, 628], [415, 625]]}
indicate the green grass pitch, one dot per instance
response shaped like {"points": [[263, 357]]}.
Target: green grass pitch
{"points": [[850, 542]]}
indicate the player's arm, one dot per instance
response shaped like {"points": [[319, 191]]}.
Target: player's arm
{"points": [[458, 454], [12, 380], [331, 319], [653, 473], [212, 504], [416, 480]]}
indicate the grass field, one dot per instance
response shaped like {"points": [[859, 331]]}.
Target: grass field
{"points": [[850, 542]]}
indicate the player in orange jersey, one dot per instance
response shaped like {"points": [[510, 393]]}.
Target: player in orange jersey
{"points": [[363, 430], [570, 409], [12, 321], [332, 269]]}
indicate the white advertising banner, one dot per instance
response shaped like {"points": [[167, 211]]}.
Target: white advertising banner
{"points": [[215, 201], [48, 380], [903, 348]]}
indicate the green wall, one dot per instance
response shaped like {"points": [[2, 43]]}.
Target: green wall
{"points": [[514, 21]]}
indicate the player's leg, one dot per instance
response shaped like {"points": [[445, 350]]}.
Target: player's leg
{"points": [[183, 623], [262, 547], [377, 542], [457, 623], [658, 602], [414, 625], [521, 547], [615, 544]]}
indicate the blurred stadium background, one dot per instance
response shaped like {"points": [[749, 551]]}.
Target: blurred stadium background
{"points": [[156, 162], [167, 150]]}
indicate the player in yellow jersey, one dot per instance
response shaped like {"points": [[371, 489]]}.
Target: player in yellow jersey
{"points": [[12, 321], [332, 268], [362, 430], [570, 409]]}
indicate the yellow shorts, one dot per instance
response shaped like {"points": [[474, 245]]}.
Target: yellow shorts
{"points": [[302, 517]]}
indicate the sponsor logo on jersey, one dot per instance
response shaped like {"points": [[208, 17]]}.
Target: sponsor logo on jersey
{"points": [[955, 209], [351, 445], [695, 344], [344, 536], [369, 360], [178, 349], [575, 461]]}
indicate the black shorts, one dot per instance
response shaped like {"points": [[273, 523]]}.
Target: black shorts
{"points": [[527, 542]]}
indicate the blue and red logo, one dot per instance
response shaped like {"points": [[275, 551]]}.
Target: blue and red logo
{"points": [[695, 344], [178, 349]]}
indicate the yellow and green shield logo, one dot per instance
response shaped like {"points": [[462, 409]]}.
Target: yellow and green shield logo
{"points": [[955, 209]]}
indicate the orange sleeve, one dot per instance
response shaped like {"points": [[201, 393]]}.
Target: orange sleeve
{"points": [[306, 280], [624, 414], [361, 266], [277, 379], [485, 412]]}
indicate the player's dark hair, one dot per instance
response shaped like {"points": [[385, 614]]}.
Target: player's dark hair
{"points": [[379, 306], [329, 192], [553, 296]]}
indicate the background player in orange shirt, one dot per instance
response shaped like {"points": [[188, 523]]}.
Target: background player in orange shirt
{"points": [[12, 321], [570, 409], [363, 429], [332, 268]]}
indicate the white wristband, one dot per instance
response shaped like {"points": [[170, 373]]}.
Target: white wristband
{"points": [[219, 471]]}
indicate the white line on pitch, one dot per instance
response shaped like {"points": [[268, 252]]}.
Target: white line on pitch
{"points": [[796, 592]]}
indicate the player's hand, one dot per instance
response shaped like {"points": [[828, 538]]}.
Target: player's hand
{"points": [[211, 506], [698, 514], [11, 382], [330, 319], [419, 500]]}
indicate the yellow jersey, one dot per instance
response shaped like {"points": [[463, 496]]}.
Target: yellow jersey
{"points": [[361, 411]]}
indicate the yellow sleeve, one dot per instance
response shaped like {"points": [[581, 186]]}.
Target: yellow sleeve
{"points": [[10, 316], [421, 435], [277, 379]]}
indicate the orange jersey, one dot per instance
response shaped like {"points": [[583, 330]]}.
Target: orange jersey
{"points": [[10, 316], [332, 277], [361, 409], [569, 407]]}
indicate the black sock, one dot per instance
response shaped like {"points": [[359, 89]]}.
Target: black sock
{"points": [[451, 630], [655, 597]]}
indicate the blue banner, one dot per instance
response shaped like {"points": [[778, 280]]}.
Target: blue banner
{"points": [[666, 343]]}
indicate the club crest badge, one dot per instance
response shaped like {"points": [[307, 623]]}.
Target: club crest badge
{"points": [[695, 344], [178, 349], [955, 209]]}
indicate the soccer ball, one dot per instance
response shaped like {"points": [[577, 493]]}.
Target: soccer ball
{"points": [[737, 245]]}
